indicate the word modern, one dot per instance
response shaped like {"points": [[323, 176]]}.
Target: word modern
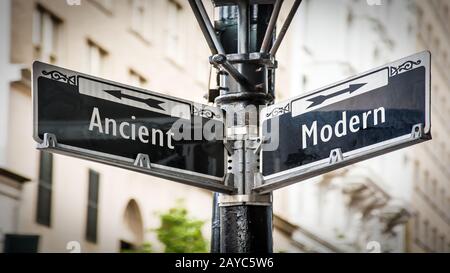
{"points": [[342, 127], [128, 130]]}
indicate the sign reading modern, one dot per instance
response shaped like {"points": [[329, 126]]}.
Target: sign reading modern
{"points": [[370, 114]]}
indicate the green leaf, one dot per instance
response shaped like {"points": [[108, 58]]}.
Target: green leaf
{"points": [[180, 233]]}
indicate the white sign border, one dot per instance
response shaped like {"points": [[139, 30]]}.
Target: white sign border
{"points": [[294, 175]]}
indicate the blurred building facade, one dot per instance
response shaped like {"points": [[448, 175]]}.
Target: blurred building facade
{"points": [[398, 202], [393, 203], [73, 204]]}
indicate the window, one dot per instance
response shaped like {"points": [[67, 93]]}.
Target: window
{"points": [[425, 232], [441, 244], [137, 80], [127, 246], [420, 20], [376, 53], [141, 18], [133, 229], [92, 208], [443, 142], [426, 182], [96, 59], [417, 180], [173, 31], [44, 200], [434, 239], [445, 58], [15, 243], [46, 32], [442, 199], [417, 226], [429, 33], [437, 45], [433, 194]]}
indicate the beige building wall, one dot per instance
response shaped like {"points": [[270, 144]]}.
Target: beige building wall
{"points": [[430, 230], [417, 177], [109, 27], [130, 51], [184, 73]]}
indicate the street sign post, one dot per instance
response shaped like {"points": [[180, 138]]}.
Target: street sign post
{"points": [[373, 113], [120, 125], [224, 148]]}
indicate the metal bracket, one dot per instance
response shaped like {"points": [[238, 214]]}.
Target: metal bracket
{"points": [[220, 60], [259, 179], [229, 179], [258, 145], [228, 146], [284, 28], [336, 156], [206, 26], [239, 144], [143, 161], [242, 132], [49, 141], [417, 131], [252, 143], [252, 199], [258, 148], [261, 59]]}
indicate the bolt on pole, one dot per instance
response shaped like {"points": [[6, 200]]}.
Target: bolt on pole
{"points": [[242, 42], [245, 218]]}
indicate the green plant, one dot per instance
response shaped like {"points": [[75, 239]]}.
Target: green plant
{"points": [[146, 248], [180, 233]]}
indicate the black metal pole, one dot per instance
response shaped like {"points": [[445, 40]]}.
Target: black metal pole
{"points": [[273, 21], [285, 27], [246, 229], [205, 25], [240, 39], [215, 225], [245, 218]]}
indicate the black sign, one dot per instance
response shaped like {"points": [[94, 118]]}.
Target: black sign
{"points": [[92, 118], [367, 115]]}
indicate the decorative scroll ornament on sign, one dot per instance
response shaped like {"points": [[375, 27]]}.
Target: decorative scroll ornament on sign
{"points": [[279, 111], [58, 76], [403, 67], [204, 112]]}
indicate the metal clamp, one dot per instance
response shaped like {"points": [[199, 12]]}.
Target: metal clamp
{"points": [[220, 60], [241, 132], [255, 145], [49, 141], [259, 179], [336, 156], [258, 58], [252, 199], [228, 146], [143, 161], [229, 179]]}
